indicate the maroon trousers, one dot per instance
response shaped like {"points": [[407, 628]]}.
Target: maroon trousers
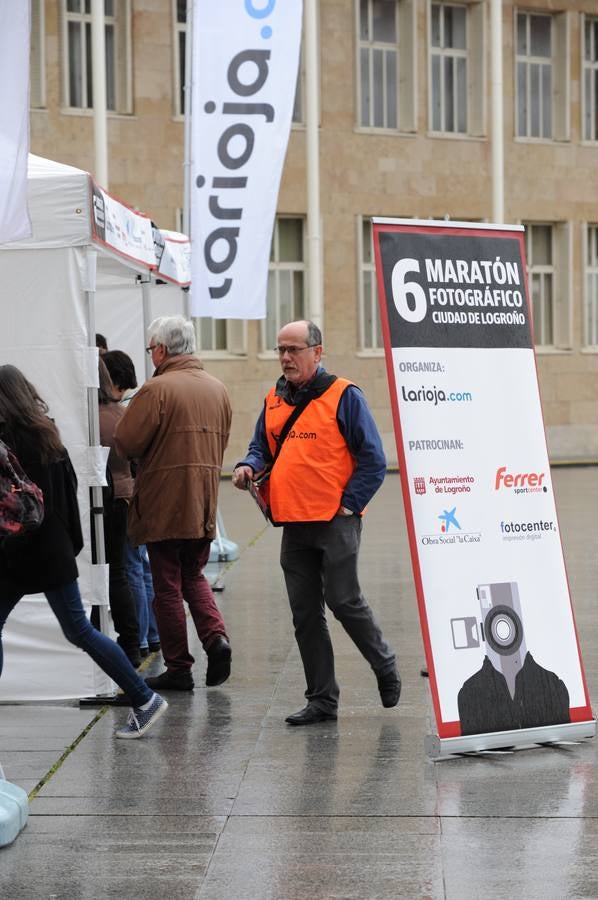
{"points": [[177, 573]]}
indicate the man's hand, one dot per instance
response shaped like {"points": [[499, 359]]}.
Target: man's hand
{"points": [[241, 476]]}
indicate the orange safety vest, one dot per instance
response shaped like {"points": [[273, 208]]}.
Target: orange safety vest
{"points": [[314, 464]]}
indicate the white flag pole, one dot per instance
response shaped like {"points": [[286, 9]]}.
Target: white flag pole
{"points": [[98, 74], [312, 122], [498, 176]]}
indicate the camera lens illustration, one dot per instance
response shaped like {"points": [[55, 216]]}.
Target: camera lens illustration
{"points": [[510, 689], [503, 630]]}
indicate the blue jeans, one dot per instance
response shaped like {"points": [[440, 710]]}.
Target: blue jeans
{"points": [[142, 588], [66, 605]]}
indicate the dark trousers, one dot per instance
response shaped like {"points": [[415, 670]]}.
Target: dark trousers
{"points": [[319, 562], [177, 573], [122, 602]]}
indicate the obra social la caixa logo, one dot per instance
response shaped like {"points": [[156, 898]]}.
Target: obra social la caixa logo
{"points": [[236, 143], [520, 482], [450, 531]]}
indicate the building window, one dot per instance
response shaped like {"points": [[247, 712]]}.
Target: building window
{"points": [[548, 253], [180, 36], [370, 337], [534, 75], [590, 79], [449, 67], [37, 80], [539, 253], [592, 286], [542, 76], [220, 336], [77, 54], [386, 53], [286, 279], [298, 111]]}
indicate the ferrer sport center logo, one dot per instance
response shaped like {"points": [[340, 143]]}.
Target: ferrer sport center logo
{"points": [[520, 482]]}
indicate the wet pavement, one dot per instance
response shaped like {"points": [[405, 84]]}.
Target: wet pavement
{"points": [[223, 801]]}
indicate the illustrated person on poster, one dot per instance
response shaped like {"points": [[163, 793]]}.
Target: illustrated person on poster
{"points": [[510, 690]]}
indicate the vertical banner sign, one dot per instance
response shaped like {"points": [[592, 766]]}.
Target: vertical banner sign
{"points": [[494, 604], [14, 120], [245, 61]]}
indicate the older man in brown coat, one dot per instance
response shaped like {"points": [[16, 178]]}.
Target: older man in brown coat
{"points": [[177, 428]]}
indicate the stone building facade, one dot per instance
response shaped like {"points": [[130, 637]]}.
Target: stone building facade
{"points": [[404, 132]]}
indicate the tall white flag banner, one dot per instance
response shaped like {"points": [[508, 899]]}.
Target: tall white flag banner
{"points": [[245, 61], [14, 120]]}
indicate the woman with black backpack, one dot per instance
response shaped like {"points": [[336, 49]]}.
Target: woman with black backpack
{"points": [[43, 561]]}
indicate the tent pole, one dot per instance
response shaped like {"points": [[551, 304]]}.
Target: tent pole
{"points": [[145, 294], [93, 414]]}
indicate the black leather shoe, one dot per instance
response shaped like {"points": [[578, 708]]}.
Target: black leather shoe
{"points": [[154, 646], [309, 715], [219, 657], [171, 681], [389, 685]]}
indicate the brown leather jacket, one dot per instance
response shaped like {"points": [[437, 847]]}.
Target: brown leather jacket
{"points": [[177, 428]]}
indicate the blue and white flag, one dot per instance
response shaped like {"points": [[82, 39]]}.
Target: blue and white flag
{"points": [[245, 61], [14, 120]]}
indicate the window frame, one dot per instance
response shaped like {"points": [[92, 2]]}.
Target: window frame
{"points": [[590, 270], [593, 67], [406, 68], [452, 53], [122, 70], [178, 95], [560, 93], [362, 268], [275, 265], [37, 63], [562, 292]]}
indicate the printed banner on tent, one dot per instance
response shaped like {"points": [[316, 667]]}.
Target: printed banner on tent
{"points": [[245, 60], [494, 604], [121, 229], [14, 120]]}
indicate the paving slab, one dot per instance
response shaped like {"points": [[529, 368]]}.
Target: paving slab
{"points": [[223, 801]]}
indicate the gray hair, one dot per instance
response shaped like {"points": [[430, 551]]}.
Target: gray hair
{"points": [[175, 333], [314, 335]]}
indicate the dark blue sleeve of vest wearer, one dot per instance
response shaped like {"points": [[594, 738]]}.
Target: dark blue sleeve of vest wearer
{"points": [[358, 428], [258, 453]]}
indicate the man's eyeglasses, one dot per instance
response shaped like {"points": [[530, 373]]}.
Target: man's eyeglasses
{"points": [[291, 350], [151, 347]]}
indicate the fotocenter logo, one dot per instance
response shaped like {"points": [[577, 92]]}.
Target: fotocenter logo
{"points": [[527, 531], [450, 531], [520, 482], [444, 484]]}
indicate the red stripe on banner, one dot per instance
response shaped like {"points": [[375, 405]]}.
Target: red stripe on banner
{"points": [[396, 418]]}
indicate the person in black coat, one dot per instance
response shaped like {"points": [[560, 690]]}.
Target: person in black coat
{"points": [[44, 560]]}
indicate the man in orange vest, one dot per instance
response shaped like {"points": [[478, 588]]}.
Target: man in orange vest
{"points": [[325, 469]]}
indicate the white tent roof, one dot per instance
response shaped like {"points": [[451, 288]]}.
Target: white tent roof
{"points": [[58, 197]]}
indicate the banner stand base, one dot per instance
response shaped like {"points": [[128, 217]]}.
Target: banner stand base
{"points": [[442, 748]]}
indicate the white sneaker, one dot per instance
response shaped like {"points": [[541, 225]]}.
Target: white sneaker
{"points": [[141, 720]]}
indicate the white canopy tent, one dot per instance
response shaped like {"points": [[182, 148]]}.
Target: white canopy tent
{"points": [[82, 238]]}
